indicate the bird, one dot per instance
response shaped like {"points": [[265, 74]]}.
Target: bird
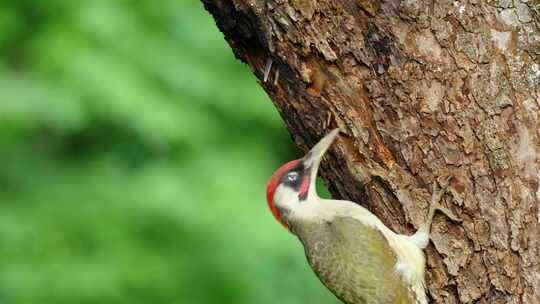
{"points": [[358, 258]]}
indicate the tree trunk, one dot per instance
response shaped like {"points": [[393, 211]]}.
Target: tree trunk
{"points": [[422, 89]]}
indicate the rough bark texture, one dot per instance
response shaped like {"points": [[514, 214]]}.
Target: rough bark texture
{"points": [[422, 89]]}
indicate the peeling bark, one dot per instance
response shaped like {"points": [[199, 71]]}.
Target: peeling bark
{"points": [[423, 89]]}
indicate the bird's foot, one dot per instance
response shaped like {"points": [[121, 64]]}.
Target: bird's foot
{"points": [[436, 198], [421, 237]]}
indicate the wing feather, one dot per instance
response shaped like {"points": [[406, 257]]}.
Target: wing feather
{"points": [[357, 267]]}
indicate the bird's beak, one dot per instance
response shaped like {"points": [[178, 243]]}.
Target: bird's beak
{"points": [[314, 156], [311, 162]]}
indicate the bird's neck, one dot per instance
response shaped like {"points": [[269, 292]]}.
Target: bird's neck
{"points": [[316, 210]]}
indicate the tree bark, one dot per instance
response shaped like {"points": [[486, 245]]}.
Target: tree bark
{"points": [[422, 89]]}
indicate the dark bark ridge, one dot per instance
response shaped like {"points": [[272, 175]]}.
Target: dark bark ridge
{"points": [[422, 89]]}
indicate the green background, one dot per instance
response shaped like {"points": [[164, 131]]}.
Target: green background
{"points": [[134, 155]]}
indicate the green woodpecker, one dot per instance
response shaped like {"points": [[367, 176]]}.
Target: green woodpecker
{"points": [[352, 252]]}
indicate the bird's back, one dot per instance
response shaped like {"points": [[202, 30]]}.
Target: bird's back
{"points": [[343, 251]]}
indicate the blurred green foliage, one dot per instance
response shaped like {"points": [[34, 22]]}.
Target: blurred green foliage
{"points": [[134, 153]]}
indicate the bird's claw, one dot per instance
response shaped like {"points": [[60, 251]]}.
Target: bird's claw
{"points": [[437, 195], [449, 213]]}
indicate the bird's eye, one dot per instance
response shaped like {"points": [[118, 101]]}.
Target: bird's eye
{"points": [[292, 176]]}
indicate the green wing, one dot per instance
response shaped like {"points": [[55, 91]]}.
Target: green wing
{"points": [[355, 262]]}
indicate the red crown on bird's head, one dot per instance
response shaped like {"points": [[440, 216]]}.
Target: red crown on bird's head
{"points": [[272, 185]]}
